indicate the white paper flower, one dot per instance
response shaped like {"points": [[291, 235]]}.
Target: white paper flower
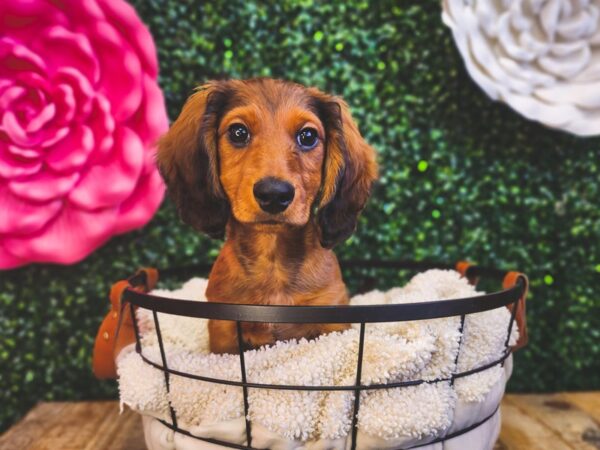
{"points": [[541, 57]]}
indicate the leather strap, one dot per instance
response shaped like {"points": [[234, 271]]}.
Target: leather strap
{"points": [[509, 281], [462, 267], [116, 330]]}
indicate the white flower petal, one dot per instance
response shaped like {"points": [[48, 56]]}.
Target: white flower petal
{"points": [[549, 16], [567, 66], [507, 40], [541, 57], [591, 72], [526, 72], [579, 26], [582, 95]]}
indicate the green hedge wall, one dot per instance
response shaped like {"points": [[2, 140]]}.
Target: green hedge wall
{"points": [[461, 177]]}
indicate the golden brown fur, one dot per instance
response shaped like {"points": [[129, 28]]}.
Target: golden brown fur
{"points": [[283, 258]]}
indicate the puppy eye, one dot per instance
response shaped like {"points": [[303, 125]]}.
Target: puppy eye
{"points": [[238, 134], [307, 138]]}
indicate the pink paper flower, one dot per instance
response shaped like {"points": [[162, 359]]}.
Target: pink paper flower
{"points": [[80, 111]]}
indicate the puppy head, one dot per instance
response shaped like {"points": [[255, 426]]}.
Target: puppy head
{"points": [[270, 153]]}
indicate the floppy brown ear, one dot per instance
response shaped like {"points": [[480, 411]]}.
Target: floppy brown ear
{"points": [[187, 159], [348, 172]]}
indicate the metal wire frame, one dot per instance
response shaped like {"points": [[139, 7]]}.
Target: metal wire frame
{"points": [[324, 314]]}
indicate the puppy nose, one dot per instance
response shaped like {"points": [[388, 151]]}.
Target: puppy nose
{"points": [[273, 195]]}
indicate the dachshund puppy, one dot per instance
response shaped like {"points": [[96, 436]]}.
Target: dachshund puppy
{"points": [[282, 172]]}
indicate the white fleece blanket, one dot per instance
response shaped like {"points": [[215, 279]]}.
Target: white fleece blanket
{"points": [[387, 418]]}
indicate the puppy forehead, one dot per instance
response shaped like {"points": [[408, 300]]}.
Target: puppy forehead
{"points": [[273, 94], [286, 116], [282, 101]]}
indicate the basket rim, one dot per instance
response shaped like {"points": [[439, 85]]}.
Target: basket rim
{"points": [[337, 313]]}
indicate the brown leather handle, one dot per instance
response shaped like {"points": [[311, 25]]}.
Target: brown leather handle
{"points": [[510, 280], [111, 338], [462, 267]]}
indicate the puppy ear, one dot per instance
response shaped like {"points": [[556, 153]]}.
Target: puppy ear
{"points": [[188, 160], [348, 172]]}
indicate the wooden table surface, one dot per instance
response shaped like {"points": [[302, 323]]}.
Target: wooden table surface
{"points": [[529, 422]]}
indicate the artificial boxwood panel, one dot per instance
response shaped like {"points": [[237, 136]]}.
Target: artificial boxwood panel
{"points": [[461, 177]]}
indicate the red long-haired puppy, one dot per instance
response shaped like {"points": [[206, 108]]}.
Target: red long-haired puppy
{"points": [[282, 172]]}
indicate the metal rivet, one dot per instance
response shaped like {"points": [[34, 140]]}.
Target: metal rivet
{"points": [[105, 335]]}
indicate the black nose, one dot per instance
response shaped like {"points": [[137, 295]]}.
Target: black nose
{"points": [[273, 195]]}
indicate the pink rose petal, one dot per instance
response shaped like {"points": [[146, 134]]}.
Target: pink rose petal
{"points": [[8, 260], [91, 9], [63, 48], [65, 103], [5, 84], [36, 123], [11, 126], [13, 168], [122, 88], [22, 19], [25, 217], [8, 170], [145, 200], [23, 154], [16, 58], [72, 152], [68, 239], [103, 126], [32, 100], [43, 187], [149, 121], [33, 80], [53, 136], [10, 95], [112, 182], [82, 88], [138, 36]]}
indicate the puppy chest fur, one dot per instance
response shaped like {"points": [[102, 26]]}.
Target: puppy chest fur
{"points": [[283, 267]]}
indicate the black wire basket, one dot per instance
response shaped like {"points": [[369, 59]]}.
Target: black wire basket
{"points": [[512, 296]]}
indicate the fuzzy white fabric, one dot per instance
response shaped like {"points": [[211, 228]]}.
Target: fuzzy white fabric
{"points": [[388, 418]]}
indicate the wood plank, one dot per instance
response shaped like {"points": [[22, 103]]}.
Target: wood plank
{"points": [[76, 426], [571, 424], [523, 432], [562, 421], [41, 418], [123, 432], [586, 401]]}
